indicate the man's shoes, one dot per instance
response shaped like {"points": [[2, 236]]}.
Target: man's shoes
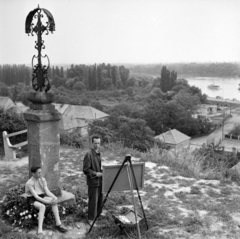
{"points": [[61, 228]]}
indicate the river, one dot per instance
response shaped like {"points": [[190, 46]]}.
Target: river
{"points": [[228, 87]]}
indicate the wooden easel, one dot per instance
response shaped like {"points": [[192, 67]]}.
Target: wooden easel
{"points": [[127, 161]]}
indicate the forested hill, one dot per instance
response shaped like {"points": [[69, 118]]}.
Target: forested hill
{"points": [[191, 69]]}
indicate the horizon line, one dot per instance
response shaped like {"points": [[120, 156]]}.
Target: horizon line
{"points": [[133, 63]]}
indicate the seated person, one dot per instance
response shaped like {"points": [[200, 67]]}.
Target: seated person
{"points": [[38, 195]]}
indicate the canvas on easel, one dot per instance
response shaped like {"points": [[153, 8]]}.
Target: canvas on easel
{"points": [[122, 182]]}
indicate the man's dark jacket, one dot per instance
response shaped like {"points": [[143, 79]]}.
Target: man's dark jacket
{"points": [[92, 165]]}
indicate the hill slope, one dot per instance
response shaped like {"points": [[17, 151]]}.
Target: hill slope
{"points": [[175, 206]]}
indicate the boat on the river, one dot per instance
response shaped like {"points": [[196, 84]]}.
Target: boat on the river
{"points": [[213, 87]]}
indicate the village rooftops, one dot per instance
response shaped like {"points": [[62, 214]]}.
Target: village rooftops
{"points": [[77, 116], [80, 112], [6, 103], [172, 136]]}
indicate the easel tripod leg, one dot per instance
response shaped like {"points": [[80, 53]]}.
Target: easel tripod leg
{"points": [[105, 199], [135, 182], [134, 205]]}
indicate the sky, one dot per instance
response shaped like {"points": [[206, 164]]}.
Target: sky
{"points": [[124, 31]]}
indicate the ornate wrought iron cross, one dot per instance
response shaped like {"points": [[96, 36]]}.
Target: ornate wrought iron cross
{"points": [[40, 79]]}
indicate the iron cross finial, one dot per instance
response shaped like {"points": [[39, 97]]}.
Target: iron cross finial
{"points": [[40, 79]]}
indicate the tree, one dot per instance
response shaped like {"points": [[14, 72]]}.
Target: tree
{"points": [[58, 81], [100, 127], [129, 91], [124, 74], [153, 115], [79, 86], [99, 76], [57, 72], [155, 94], [168, 79], [131, 82], [162, 116], [123, 109], [97, 105], [114, 75], [187, 100], [106, 83], [70, 83], [62, 72], [11, 122], [4, 91], [14, 93], [197, 91], [165, 78], [134, 133]]}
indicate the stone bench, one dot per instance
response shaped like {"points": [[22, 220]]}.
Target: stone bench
{"points": [[9, 149]]}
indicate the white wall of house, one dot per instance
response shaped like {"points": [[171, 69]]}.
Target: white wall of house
{"points": [[183, 144], [82, 131]]}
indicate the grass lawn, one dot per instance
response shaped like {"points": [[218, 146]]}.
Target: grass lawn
{"points": [[177, 203]]}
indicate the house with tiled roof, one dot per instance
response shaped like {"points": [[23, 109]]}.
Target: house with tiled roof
{"points": [[77, 117], [174, 139], [6, 103]]}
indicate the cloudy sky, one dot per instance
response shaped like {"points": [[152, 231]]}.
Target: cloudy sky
{"points": [[125, 31]]}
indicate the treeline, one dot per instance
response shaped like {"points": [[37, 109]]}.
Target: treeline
{"points": [[79, 77], [14, 74], [191, 69], [168, 103], [143, 107], [91, 77]]}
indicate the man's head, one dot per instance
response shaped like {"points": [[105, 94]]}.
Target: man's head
{"points": [[36, 171], [96, 142]]}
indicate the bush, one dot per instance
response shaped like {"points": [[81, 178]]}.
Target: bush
{"points": [[17, 212], [15, 209], [72, 139], [12, 122], [235, 131]]}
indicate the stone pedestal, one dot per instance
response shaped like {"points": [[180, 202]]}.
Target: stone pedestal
{"points": [[44, 138]]}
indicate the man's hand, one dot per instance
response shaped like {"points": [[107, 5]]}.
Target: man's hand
{"points": [[98, 174]]}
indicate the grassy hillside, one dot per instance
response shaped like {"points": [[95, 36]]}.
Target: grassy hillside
{"points": [[180, 200]]}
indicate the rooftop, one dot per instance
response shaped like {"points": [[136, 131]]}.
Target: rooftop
{"points": [[172, 136]]}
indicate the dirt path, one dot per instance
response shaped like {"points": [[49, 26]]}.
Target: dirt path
{"points": [[15, 163]]}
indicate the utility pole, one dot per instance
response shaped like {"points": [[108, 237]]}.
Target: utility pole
{"points": [[223, 125]]}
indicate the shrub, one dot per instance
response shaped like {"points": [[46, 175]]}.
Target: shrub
{"points": [[72, 139], [12, 122], [235, 130], [18, 212], [15, 209], [81, 201]]}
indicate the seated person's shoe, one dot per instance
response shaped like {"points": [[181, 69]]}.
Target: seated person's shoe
{"points": [[40, 235], [61, 228]]}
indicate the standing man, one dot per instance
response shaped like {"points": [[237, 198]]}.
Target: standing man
{"points": [[92, 170]]}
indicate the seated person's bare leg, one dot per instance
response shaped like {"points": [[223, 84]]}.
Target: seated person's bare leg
{"points": [[55, 211], [41, 208]]}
